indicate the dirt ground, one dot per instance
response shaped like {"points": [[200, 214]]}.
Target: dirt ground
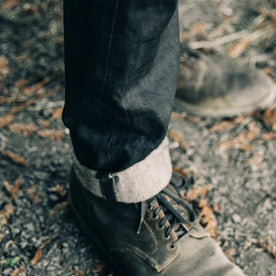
{"points": [[38, 234]]}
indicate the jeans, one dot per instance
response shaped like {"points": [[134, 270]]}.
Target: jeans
{"points": [[121, 70]]}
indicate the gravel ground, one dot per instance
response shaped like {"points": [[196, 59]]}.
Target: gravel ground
{"points": [[38, 233]]}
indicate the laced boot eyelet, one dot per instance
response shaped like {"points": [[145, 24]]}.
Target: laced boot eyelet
{"points": [[161, 227], [166, 237], [155, 216], [171, 247]]}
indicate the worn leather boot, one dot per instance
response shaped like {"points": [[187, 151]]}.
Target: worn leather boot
{"points": [[220, 87], [158, 237]]}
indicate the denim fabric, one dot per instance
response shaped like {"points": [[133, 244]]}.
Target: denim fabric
{"points": [[121, 65]]}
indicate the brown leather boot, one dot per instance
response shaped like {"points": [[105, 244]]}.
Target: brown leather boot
{"points": [[214, 86], [158, 237]]}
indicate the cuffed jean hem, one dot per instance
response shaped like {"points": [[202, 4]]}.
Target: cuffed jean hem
{"points": [[137, 183]]}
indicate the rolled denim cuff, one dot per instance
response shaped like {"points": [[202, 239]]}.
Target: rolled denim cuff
{"points": [[137, 183]]}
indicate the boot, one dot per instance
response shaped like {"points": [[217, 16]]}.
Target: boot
{"points": [[160, 236], [220, 87]]}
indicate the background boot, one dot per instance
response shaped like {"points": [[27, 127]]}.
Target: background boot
{"points": [[156, 237], [213, 86]]}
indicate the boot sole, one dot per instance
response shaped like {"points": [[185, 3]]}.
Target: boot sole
{"points": [[263, 102]]}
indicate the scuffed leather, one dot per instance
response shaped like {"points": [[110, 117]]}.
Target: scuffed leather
{"points": [[112, 226]]}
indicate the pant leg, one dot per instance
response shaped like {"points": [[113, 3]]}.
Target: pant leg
{"points": [[121, 65]]}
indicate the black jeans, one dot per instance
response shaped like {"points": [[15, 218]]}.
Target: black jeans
{"points": [[121, 69]]}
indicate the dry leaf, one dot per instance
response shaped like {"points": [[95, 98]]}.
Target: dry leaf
{"points": [[59, 190], [218, 207], [78, 273], [175, 116], [9, 4], [180, 171], [266, 244], [207, 217], [255, 161], [197, 28], [21, 83], [60, 208], [13, 190], [269, 118], [37, 256], [33, 195], [44, 123], [242, 141], [24, 129], [192, 119], [17, 271], [30, 90], [268, 136], [177, 137], [4, 69], [5, 214], [4, 121], [14, 157], [197, 192], [51, 134], [56, 114], [238, 48], [226, 125], [21, 58], [183, 36], [230, 253]]}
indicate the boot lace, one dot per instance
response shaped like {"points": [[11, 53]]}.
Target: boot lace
{"points": [[177, 212]]}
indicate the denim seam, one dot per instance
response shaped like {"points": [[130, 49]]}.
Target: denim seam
{"points": [[106, 74]]}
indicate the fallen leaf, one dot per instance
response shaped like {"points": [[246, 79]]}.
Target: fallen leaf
{"points": [[208, 219], [44, 123], [14, 157], [21, 83], [33, 195], [183, 36], [177, 137], [255, 161], [17, 271], [13, 190], [192, 119], [269, 118], [78, 273], [218, 207], [59, 190], [60, 208], [51, 134], [4, 69], [4, 121], [197, 28], [267, 245], [230, 253], [175, 116], [24, 129], [37, 256], [238, 48], [5, 214], [30, 90], [197, 192], [268, 136], [56, 114], [242, 141], [180, 171], [9, 4], [226, 125]]}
